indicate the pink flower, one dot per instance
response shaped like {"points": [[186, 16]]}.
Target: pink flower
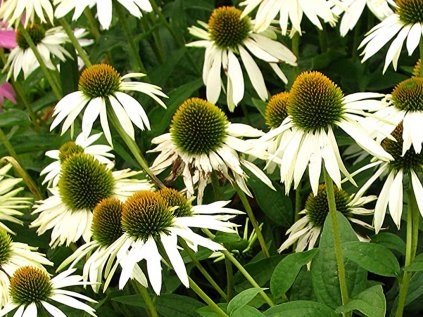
{"points": [[7, 36], [6, 91]]}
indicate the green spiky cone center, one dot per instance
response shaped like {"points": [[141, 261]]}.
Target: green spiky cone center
{"points": [[175, 199], [30, 285], [84, 182], [226, 27], [198, 127], [276, 110], [99, 80], [408, 95], [107, 226], [410, 161], [68, 149], [146, 214], [5, 247], [410, 11], [315, 102], [35, 31], [317, 207]]}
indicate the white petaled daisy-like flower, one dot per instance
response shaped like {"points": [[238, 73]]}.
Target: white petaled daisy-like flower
{"points": [[401, 173], [50, 43], [80, 145], [10, 203], [102, 250], [104, 8], [32, 289], [83, 183], [228, 37], [152, 218], [12, 11], [290, 12], [352, 10], [12, 256], [315, 107], [405, 25], [306, 231], [202, 141], [101, 89]]}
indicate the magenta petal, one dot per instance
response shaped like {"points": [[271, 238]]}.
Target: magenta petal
{"points": [[6, 91], [7, 39]]}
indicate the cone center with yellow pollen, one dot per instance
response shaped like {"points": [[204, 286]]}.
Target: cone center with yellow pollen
{"points": [[227, 29], [5, 247], [198, 127], [175, 199], [315, 102], [84, 182], [410, 161], [68, 149], [410, 11], [276, 110], [317, 207], [106, 225], [30, 285], [146, 214], [35, 31], [99, 80], [408, 95]]}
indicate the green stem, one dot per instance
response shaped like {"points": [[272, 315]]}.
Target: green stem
{"points": [[410, 251], [201, 268], [336, 237], [150, 306], [49, 77], [253, 220], [206, 298], [243, 271], [323, 40], [229, 279], [92, 23], [421, 57], [133, 147], [75, 42], [139, 66], [157, 41], [298, 202]]}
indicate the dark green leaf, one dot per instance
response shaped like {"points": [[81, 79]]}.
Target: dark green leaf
{"points": [[301, 308], [242, 299], [417, 264], [247, 311], [287, 270], [14, 118], [391, 241], [370, 302]]}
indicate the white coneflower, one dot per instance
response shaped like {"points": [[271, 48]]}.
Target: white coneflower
{"points": [[149, 220], [12, 256], [31, 290], [202, 141], [228, 37], [10, 203], [80, 145], [406, 25], [315, 107], [104, 8], [101, 89], [83, 183], [305, 231], [290, 12], [12, 11]]}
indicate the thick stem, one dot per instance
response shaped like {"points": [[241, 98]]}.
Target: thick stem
{"points": [[150, 306], [243, 271], [75, 42], [410, 249], [49, 77], [201, 268], [336, 237], [253, 219], [139, 66], [206, 298], [92, 23], [133, 147]]}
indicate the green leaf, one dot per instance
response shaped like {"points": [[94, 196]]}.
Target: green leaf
{"points": [[247, 311], [415, 289], [324, 270], [301, 308], [370, 302], [209, 312], [373, 257], [69, 73], [416, 265], [287, 270], [242, 299], [13, 118], [391, 241]]}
